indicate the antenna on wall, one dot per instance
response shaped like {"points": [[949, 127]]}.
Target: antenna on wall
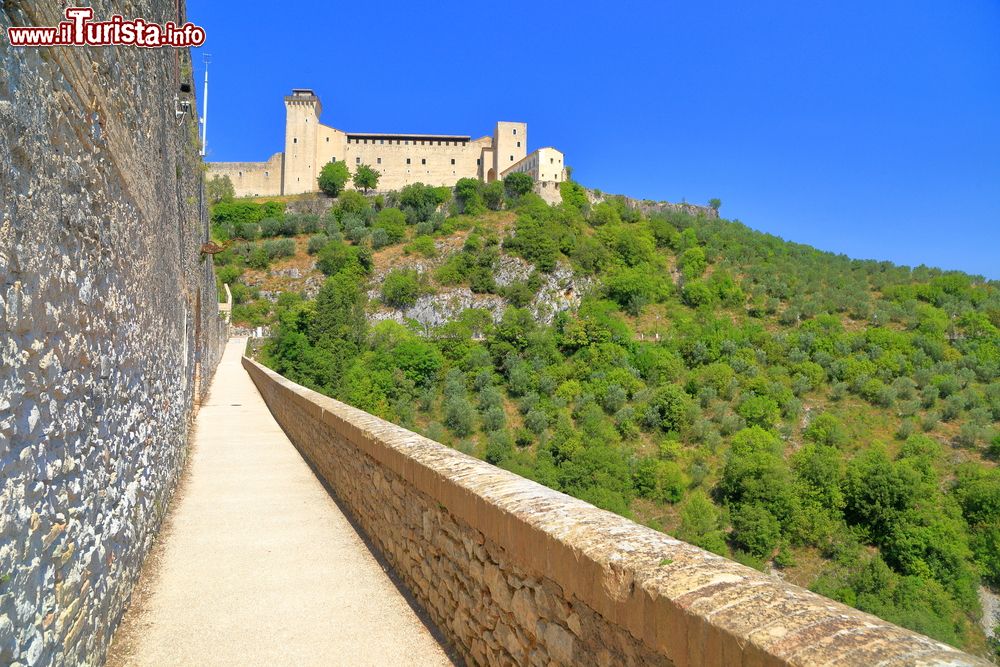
{"points": [[206, 58]]}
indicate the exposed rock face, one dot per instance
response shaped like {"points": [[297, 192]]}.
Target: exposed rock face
{"points": [[561, 290], [110, 325], [648, 206]]}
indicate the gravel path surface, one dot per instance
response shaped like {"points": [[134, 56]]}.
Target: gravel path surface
{"points": [[257, 565]]}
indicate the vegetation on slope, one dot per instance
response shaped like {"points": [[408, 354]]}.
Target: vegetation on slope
{"points": [[833, 419]]}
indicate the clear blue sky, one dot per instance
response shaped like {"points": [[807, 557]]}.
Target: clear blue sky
{"points": [[867, 128]]}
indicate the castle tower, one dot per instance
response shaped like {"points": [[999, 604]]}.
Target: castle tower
{"points": [[302, 111], [510, 146]]}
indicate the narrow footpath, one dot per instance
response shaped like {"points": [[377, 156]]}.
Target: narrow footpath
{"points": [[257, 564]]}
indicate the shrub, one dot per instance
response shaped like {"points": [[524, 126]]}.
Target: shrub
{"points": [[696, 293], [258, 258], [270, 227], [248, 231], [279, 248], [493, 195], [671, 408], [518, 184], [826, 429], [458, 415], [422, 245], [380, 238], [228, 273], [351, 203], [659, 480], [692, 263], [760, 411], [468, 196], [316, 243], [536, 421], [220, 189], [337, 256], [393, 222], [574, 195], [755, 530], [401, 288], [499, 447], [309, 224]]}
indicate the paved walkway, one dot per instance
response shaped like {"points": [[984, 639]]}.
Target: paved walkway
{"points": [[258, 566]]}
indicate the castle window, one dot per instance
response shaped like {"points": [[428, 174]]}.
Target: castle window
{"points": [[515, 130], [295, 140], [266, 174], [511, 158], [453, 160], [241, 174], [519, 144], [378, 160], [479, 161], [357, 160], [381, 141], [423, 160], [552, 160], [328, 140], [407, 160]]}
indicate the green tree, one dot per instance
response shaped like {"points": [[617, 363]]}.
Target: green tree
{"points": [[401, 288], [366, 178], [393, 221], [493, 195], [670, 408], [220, 189], [700, 523], [469, 196], [715, 204], [574, 195], [518, 184], [333, 177], [760, 411], [755, 530], [340, 312]]}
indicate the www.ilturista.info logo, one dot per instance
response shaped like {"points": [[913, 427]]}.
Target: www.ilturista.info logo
{"points": [[79, 30]]}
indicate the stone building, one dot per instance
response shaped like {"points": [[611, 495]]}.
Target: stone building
{"points": [[432, 159]]}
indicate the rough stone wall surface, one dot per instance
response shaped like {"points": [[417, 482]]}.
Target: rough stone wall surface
{"points": [[515, 573], [108, 311], [251, 179]]}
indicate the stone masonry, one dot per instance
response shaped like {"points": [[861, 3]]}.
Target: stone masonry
{"points": [[514, 573], [110, 324]]}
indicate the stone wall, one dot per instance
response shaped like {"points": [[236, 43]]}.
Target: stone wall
{"points": [[252, 179], [109, 314], [514, 573]]}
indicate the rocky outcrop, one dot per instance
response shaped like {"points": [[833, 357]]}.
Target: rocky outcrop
{"points": [[561, 290]]}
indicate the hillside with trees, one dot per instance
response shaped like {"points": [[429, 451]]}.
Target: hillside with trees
{"points": [[833, 421]]}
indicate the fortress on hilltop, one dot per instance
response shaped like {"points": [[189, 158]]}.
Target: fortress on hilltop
{"points": [[401, 159]]}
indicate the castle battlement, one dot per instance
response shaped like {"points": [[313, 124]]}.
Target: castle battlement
{"points": [[401, 159]]}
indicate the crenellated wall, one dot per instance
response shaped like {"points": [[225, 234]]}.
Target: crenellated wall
{"points": [[109, 329], [515, 573]]}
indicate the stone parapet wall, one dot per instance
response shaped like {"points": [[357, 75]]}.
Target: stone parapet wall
{"points": [[110, 324], [515, 573]]}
